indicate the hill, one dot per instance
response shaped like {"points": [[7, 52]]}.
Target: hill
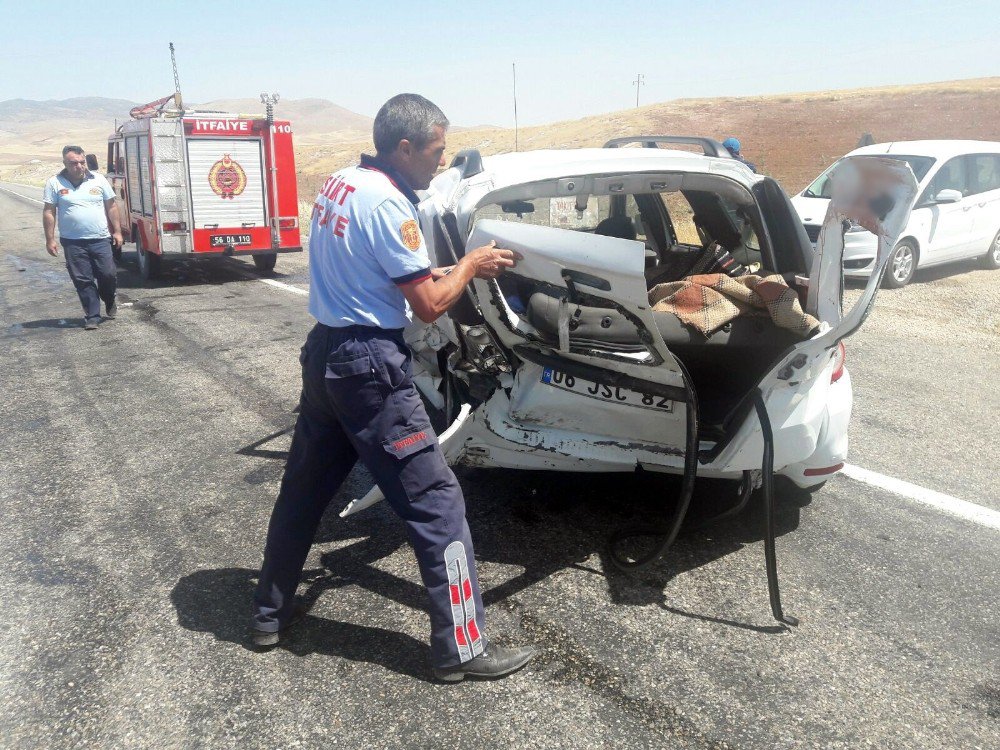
{"points": [[24, 115], [312, 119], [32, 133], [790, 137]]}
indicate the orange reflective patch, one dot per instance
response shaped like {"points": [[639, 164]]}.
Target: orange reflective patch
{"points": [[410, 232]]}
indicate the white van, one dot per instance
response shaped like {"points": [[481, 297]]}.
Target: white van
{"points": [[956, 214]]}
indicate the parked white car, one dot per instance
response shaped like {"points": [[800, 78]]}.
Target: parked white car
{"points": [[956, 214], [563, 364]]}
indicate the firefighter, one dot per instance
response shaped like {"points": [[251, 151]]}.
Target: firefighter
{"points": [[369, 271], [82, 203]]}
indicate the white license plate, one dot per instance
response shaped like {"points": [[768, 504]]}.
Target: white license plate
{"points": [[604, 392], [221, 240]]}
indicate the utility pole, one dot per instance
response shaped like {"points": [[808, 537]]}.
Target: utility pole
{"points": [[514, 71], [637, 83]]}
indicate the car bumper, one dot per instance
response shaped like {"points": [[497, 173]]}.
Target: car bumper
{"points": [[831, 447], [810, 434]]}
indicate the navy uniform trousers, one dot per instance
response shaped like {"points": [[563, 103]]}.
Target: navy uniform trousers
{"points": [[92, 268], [359, 402]]}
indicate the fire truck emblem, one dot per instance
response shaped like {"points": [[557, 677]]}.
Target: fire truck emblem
{"points": [[227, 178]]}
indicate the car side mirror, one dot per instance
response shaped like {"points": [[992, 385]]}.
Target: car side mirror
{"points": [[948, 196], [92, 162]]}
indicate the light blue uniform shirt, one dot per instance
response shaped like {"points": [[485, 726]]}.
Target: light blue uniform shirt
{"points": [[364, 242], [80, 210]]}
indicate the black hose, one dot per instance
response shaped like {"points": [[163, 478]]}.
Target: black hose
{"points": [[767, 486], [669, 534]]}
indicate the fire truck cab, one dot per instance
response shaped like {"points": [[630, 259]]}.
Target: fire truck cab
{"points": [[204, 183]]}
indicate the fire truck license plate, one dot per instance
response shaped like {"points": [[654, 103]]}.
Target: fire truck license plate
{"points": [[221, 240], [605, 392]]}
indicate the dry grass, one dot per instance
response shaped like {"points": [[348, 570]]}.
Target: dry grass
{"points": [[791, 136]]}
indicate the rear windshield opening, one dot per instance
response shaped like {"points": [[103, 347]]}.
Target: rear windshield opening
{"points": [[676, 227]]}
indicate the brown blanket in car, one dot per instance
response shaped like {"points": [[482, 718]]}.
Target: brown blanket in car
{"points": [[709, 301]]}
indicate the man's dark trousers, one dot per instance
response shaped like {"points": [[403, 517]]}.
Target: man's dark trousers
{"points": [[92, 268], [358, 401]]}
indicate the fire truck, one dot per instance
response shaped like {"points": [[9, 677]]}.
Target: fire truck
{"points": [[197, 183]]}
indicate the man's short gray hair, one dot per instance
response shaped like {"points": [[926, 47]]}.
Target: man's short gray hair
{"points": [[406, 116], [72, 150]]}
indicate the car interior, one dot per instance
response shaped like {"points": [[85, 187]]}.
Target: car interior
{"points": [[682, 231]]}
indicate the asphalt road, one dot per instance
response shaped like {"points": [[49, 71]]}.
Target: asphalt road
{"points": [[140, 462]]}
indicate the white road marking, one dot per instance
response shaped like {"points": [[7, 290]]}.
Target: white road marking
{"points": [[20, 195], [286, 287], [272, 282], [947, 503]]}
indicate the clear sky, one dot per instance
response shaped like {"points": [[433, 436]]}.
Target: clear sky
{"points": [[573, 58]]}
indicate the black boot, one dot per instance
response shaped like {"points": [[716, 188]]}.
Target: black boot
{"points": [[495, 661]]}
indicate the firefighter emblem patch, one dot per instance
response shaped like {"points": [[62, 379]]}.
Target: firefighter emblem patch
{"points": [[227, 178], [410, 232]]}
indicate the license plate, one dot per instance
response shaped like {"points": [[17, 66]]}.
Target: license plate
{"points": [[603, 392], [221, 240]]}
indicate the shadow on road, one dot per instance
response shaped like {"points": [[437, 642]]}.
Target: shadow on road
{"points": [[67, 323], [218, 602], [546, 522], [190, 271], [537, 522]]}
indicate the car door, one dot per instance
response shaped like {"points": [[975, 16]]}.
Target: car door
{"points": [[867, 189], [983, 172], [878, 194], [950, 232]]}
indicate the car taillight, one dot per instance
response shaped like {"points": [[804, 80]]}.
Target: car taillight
{"points": [[175, 226], [839, 355], [288, 222], [823, 470]]}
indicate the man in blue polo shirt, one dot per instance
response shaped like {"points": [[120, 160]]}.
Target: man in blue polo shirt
{"points": [[82, 203], [370, 272]]}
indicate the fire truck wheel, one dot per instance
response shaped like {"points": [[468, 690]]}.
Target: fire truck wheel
{"points": [[265, 262], [149, 263]]}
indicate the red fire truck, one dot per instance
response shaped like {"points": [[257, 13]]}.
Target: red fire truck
{"points": [[204, 183]]}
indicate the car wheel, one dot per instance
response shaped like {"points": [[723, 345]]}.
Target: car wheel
{"points": [[991, 261], [265, 262], [149, 263], [901, 266]]}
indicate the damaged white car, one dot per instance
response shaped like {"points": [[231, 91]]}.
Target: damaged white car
{"points": [[669, 310]]}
